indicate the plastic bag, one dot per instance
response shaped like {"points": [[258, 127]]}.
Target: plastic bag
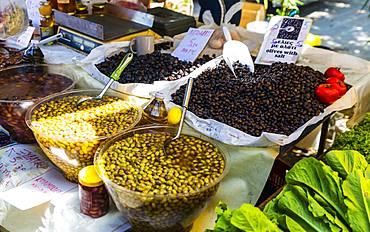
{"points": [[13, 18]]}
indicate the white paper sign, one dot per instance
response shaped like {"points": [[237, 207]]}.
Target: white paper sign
{"points": [[193, 44], [22, 40], [283, 41], [27, 178], [33, 11], [20, 163], [38, 190]]}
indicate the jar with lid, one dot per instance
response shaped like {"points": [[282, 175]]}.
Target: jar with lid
{"points": [[155, 112], [94, 198], [81, 10], [98, 8], [45, 8], [67, 6]]}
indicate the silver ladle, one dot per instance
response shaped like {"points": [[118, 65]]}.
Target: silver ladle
{"points": [[185, 104], [114, 77]]}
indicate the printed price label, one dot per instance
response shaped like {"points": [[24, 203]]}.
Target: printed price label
{"points": [[193, 44], [283, 40]]}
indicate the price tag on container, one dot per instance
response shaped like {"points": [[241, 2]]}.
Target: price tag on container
{"points": [[192, 44], [283, 41]]}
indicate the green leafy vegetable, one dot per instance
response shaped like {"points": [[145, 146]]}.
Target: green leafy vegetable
{"points": [[250, 218], [318, 210], [293, 204], [358, 138], [314, 199], [223, 223], [293, 225], [356, 188], [315, 176], [247, 218], [345, 162]]}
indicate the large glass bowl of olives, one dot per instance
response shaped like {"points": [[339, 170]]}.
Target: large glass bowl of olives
{"points": [[70, 133], [161, 192], [24, 85]]}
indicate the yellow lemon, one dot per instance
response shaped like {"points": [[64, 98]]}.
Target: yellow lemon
{"points": [[313, 40], [174, 115]]}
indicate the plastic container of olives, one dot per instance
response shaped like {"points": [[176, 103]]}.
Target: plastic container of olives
{"points": [[154, 210], [24, 85], [70, 135]]}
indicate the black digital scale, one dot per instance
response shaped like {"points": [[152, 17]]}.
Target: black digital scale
{"points": [[114, 25]]}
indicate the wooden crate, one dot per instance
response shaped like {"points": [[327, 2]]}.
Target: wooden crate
{"points": [[252, 12]]}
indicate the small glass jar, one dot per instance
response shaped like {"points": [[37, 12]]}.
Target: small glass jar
{"points": [[98, 8], [81, 10], [45, 8], [94, 198]]}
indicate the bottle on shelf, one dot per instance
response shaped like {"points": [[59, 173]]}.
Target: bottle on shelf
{"points": [[46, 27], [81, 10], [45, 8], [54, 4], [67, 6], [98, 8], [155, 112]]}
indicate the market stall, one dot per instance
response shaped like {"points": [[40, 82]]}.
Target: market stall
{"points": [[101, 164]]}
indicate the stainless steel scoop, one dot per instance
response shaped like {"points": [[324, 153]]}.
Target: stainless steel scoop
{"points": [[114, 77], [185, 104]]}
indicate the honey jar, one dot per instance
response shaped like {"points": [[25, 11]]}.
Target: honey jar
{"points": [[94, 198]]}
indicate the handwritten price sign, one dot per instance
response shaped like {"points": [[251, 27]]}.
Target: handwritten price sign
{"points": [[193, 44], [20, 163], [27, 179]]}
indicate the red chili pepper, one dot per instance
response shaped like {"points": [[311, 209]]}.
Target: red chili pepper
{"points": [[337, 84], [327, 94], [334, 72]]}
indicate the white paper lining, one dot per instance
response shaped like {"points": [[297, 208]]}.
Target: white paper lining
{"points": [[232, 136]]}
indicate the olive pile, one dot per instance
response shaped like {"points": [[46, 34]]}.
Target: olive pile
{"points": [[164, 188], [70, 134], [277, 99], [9, 57], [19, 91], [151, 67]]}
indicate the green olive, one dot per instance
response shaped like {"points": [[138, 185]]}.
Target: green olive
{"points": [[70, 134]]}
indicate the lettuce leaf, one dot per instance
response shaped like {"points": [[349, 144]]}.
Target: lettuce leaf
{"points": [[356, 189], [345, 162], [293, 226], [272, 211], [294, 204], [249, 218], [223, 223], [318, 210], [319, 178]]}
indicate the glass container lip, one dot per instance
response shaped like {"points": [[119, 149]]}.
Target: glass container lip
{"points": [[73, 93], [14, 67], [106, 144]]}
